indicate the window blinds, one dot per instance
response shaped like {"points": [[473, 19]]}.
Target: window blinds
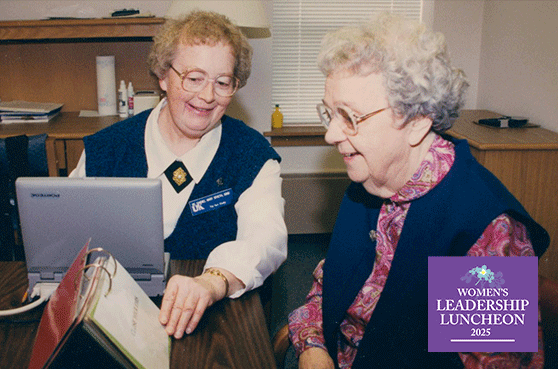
{"points": [[298, 27]]}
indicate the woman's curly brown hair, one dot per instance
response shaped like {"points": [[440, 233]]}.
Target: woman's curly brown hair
{"points": [[200, 28]]}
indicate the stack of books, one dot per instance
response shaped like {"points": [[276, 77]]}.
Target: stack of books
{"points": [[18, 111]]}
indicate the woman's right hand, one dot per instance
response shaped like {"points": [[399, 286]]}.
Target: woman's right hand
{"points": [[315, 358], [184, 302]]}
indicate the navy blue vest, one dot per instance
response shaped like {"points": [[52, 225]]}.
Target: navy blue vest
{"points": [[448, 220], [118, 151]]}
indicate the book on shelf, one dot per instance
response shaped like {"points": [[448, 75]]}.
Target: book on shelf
{"points": [[26, 117], [99, 317], [20, 106], [19, 111]]}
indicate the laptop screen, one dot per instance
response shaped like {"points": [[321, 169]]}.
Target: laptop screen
{"points": [[122, 215]]}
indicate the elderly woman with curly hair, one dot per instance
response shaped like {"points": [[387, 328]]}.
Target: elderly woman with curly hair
{"points": [[390, 93], [220, 179]]}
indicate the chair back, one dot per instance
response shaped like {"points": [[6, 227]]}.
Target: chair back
{"points": [[281, 344], [548, 303], [20, 156]]}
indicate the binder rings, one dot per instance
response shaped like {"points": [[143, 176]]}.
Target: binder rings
{"points": [[99, 317]]}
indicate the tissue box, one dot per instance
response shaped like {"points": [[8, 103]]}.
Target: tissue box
{"points": [[144, 100]]}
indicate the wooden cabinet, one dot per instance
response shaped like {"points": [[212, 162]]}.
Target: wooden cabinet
{"points": [[54, 61], [526, 161]]}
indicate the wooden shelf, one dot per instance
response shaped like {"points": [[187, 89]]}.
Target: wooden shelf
{"points": [[52, 29], [297, 136], [54, 60]]}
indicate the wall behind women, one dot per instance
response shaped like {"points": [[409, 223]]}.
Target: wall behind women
{"points": [[519, 68], [507, 49]]}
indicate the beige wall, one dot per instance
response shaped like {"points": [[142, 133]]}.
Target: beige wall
{"points": [[519, 60], [461, 23], [509, 51]]}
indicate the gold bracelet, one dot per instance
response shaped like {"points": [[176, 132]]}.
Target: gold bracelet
{"points": [[218, 273]]}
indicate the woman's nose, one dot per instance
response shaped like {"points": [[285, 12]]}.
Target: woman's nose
{"points": [[334, 133], [207, 94]]}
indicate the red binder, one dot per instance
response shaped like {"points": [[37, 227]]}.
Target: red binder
{"points": [[99, 317], [59, 314]]}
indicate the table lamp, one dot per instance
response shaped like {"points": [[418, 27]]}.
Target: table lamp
{"points": [[249, 15]]}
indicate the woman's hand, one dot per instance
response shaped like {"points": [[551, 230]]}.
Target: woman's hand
{"points": [[185, 301], [315, 358]]}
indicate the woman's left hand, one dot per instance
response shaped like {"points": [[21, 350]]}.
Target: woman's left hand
{"points": [[185, 301]]}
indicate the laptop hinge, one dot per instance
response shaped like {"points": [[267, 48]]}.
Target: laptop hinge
{"points": [[141, 276], [47, 276]]}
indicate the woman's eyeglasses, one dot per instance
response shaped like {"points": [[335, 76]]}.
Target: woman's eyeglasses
{"points": [[195, 80], [349, 119]]}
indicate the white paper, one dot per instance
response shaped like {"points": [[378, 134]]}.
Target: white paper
{"points": [[130, 318]]}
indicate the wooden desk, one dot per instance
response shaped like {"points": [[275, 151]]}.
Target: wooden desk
{"points": [[231, 334], [525, 160]]}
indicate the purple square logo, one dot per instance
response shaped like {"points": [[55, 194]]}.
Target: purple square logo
{"points": [[482, 304]]}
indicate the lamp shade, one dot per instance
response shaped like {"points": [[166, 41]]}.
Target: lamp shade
{"points": [[243, 13]]}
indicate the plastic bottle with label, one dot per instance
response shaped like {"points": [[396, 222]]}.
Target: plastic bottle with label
{"points": [[277, 118], [122, 100], [130, 99]]}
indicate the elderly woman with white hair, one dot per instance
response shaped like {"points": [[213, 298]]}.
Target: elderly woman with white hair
{"points": [[390, 93]]}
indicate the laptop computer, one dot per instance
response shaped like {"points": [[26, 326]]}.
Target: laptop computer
{"points": [[58, 215]]}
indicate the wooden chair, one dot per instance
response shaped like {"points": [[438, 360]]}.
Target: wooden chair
{"points": [[281, 343], [548, 302]]}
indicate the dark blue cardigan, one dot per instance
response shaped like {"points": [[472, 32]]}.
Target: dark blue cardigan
{"points": [[448, 220], [119, 151]]}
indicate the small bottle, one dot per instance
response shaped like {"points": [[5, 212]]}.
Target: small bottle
{"points": [[277, 118], [122, 100], [130, 99]]}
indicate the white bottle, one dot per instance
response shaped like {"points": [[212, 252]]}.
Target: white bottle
{"points": [[130, 99], [122, 100]]}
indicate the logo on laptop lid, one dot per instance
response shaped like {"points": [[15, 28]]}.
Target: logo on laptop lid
{"points": [[45, 195]]}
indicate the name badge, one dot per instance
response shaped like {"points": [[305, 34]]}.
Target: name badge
{"points": [[211, 202]]}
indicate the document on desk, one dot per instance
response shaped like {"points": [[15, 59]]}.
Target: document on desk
{"points": [[100, 317]]}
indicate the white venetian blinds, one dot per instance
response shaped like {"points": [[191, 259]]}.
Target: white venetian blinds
{"points": [[297, 30]]}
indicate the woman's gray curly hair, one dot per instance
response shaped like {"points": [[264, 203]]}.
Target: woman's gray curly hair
{"points": [[200, 28], [418, 75]]}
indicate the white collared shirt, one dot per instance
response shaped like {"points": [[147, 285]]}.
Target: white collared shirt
{"points": [[261, 243]]}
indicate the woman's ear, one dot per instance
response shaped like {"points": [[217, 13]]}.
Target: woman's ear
{"points": [[418, 129], [163, 82]]}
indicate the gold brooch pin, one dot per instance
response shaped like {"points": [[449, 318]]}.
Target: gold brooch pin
{"points": [[178, 176]]}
